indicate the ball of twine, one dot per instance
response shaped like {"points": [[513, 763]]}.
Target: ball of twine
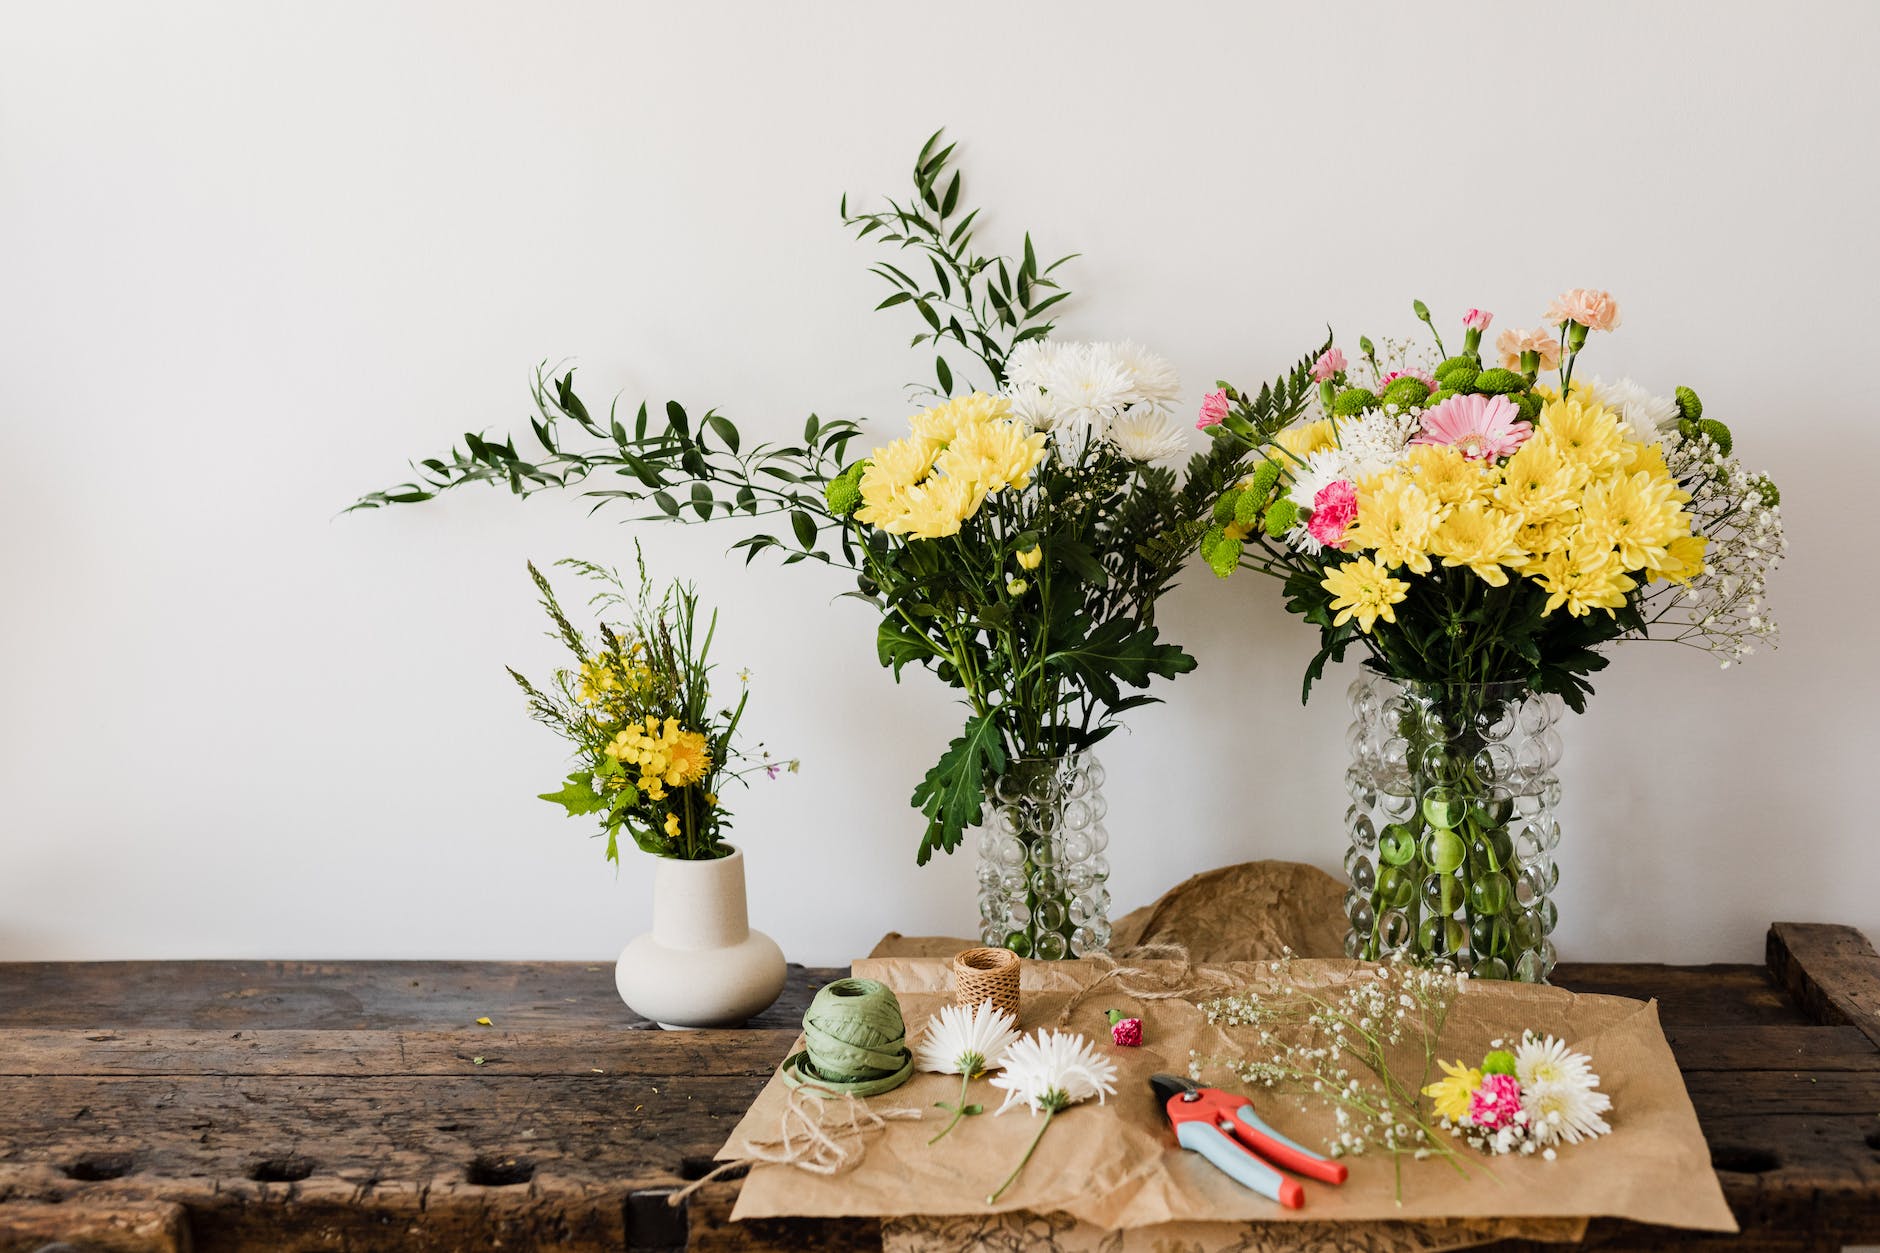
{"points": [[854, 1042], [986, 974]]}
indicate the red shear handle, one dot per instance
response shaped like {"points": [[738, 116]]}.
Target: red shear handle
{"points": [[1252, 1131]]}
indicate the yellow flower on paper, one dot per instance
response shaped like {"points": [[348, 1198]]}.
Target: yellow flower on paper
{"points": [[1449, 1096], [1481, 538], [1395, 519], [1583, 577], [1364, 590]]}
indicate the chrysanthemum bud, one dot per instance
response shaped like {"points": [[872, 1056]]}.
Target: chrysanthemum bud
{"points": [[1499, 1062], [1017, 587], [1406, 393], [1498, 382], [843, 495], [1353, 401], [1528, 405], [1719, 434], [1225, 506], [1029, 558], [1281, 516], [1263, 479], [1765, 487], [1689, 406]]}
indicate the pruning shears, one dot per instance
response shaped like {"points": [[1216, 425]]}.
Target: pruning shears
{"points": [[1222, 1127]]}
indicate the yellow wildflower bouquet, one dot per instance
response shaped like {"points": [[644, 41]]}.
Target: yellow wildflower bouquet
{"points": [[652, 756], [1470, 523]]}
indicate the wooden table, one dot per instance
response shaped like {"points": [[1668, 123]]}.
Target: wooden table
{"points": [[359, 1105]]}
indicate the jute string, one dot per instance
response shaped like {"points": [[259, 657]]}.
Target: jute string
{"points": [[822, 1131], [1185, 982], [986, 974]]}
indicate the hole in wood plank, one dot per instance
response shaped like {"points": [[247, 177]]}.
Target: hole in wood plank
{"points": [[1873, 1141], [289, 1169], [94, 1167], [1744, 1161], [654, 1224], [500, 1172], [692, 1169]]}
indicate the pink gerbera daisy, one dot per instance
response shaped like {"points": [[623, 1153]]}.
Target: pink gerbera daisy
{"points": [[1479, 427]]}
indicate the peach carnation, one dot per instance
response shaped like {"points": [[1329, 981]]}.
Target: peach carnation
{"points": [[1512, 343], [1595, 310]]}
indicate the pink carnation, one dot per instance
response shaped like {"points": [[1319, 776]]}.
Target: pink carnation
{"points": [[1496, 1102], [1334, 509], [1477, 319], [1213, 410], [1481, 428], [1330, 362], [1595, 310]]}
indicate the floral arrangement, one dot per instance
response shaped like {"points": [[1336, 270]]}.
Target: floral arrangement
{"points": [[1530, 1099], [653, 757], [1015, 539], [1469, 523]]}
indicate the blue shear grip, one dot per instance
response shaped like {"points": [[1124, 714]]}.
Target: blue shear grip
{"points": [[1246, 1115], [1238, 1164]]}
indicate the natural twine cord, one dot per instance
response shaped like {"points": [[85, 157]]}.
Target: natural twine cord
{"points": [[986, 974], [1186, 982], [822, 1131]]}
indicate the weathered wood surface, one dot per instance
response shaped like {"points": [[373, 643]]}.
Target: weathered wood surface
{"points": [[354, 1106]]}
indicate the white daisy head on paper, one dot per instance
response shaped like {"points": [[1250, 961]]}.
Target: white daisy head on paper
{"points": [[1054, 1070], [966, 1041], [1144, 434], [1559, 1091]]}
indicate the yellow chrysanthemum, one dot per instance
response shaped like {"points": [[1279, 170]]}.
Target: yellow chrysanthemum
{"points": [[936, 508], [1303, 441], [1583, 576], [1395, 519], [1364, 590], [1638, 515], [1030, 558], [943, 423], [1536, 483], [1446, 474], [993, 456], [667, 755], [1586, 434], [1684, 558], [1481, 538], [1449, 1096], [1649, 458], [893, 471]]}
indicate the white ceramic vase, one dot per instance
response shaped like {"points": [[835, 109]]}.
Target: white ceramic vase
{"points": [[701, 965]]}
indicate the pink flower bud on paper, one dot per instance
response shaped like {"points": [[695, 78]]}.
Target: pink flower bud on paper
{"points": [[1213, 410], [1477, 319], [1330, 363], [1495, 1104], [1334, 509]]}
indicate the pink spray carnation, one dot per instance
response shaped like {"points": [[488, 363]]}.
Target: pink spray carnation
{"points": [[1481, 428], [1213, 410], [1477, 319], [1334, 509], [1496, 1102], [1330, 362]]}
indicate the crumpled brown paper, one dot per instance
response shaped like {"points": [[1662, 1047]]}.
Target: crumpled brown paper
{"points": [[1110, 1177]]}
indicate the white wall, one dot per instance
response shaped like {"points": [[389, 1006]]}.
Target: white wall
{"points": [[257, 255]]}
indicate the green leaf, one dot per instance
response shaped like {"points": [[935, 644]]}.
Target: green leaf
{"points": [[667, 505], [897, 646], [725, 429], [675, 414], [896, 298], [702, 501], [944, 373], [805, 528], [952, 196], [953, 793], [578, 796]]}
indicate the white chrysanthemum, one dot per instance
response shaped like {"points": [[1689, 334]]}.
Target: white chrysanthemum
{"points": [[1152, 379], [1145, 434], [1031, 406], [1559, 1092], [962, 1041], [1053, 1070], [1321, 469], [1083, 378], [1645, 413], [1027, 363]]}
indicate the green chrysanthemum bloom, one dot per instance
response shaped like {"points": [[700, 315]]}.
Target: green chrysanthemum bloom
{"points": [[1225, 507], [1220, 552], [1447, 364], [1265, 477], [1458, 378], [1499, 1062], [1353, 401], [843, 493], [1528, 405], [1719, 434], [1689, 406], [1766, 488], [1498, 382], [1281, 516], [1406, 392], [1442, 394], [1250, 506]]}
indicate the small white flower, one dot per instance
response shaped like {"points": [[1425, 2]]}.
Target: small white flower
{"points": [[962, 1041], [1053, 1070], [1142, 434]]}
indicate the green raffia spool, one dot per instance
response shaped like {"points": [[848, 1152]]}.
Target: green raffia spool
{"points": [[855, 1041]]}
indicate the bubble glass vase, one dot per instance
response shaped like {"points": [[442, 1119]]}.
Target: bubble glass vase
{"points": [[1452, 825], [1042, 871]]}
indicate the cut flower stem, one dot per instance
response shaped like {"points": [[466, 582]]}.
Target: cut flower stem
{"points": [[1049, 1113]]}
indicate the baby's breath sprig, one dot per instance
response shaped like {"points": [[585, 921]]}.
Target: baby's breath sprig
{"points": [[1336, 1037]]}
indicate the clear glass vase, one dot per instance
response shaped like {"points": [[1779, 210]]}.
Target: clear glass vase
{"points": [[1452, 825], [1043, 875]]}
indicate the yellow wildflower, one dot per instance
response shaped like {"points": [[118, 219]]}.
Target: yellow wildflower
{"points": [[1031, 558], [672, 826], [1364, 590], [1583, 576], [1449, 1096], [1480, 538], [688, 758], [1396, 519], [597, 682]]}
